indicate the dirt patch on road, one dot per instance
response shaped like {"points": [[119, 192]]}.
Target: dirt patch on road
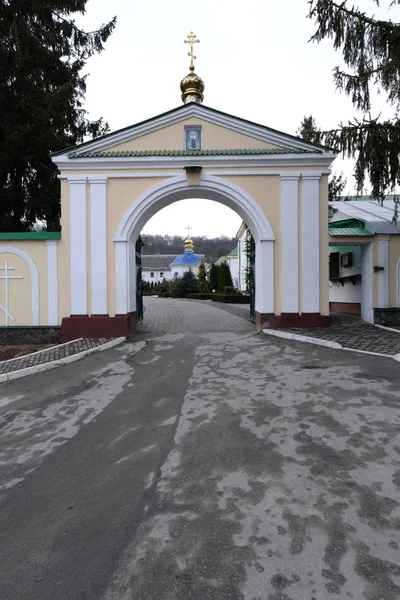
{"points": [[7, 352]]}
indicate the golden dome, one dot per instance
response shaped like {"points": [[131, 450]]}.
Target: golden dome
{"points": [[188, 244], [192, 87]]}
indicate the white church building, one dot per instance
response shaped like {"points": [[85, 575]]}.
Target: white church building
{"points": [[156, 267]]}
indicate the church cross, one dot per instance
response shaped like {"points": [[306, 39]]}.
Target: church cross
{"points": [[191, 39], [188, 230], [6, 278]]}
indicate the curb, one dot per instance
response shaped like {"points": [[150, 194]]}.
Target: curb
{"points": [[328, 344], [302, 338], [58, 363], [388, 328]]}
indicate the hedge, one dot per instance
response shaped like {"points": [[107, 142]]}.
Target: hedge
{"points": [[230, 298], [199, 296]]}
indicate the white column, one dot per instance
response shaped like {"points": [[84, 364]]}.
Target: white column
{"points": [[383, 276], [367, 311], [52, 282], [310, 243], [131, 285], [78, 253], [264, 277], [290, 243], [121, 277], [98, 244]]}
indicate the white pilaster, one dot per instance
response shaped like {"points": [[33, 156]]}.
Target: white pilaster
{"points": [[290, 243], [310, 243], [52, 282], [78, 253], [131, 285], [264, 300], [367, 311], [98, 244], [383, 276], [121, 277]]}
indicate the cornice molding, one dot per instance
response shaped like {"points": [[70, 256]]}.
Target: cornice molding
{"points": [[323, 161]]}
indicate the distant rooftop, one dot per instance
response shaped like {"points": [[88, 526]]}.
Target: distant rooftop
{"points": [[377, 217]]}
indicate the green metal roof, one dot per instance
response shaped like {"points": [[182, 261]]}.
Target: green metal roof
{"points": [[31, 235], [348, 227], [348, 231], [234, 251], [139, 153]]}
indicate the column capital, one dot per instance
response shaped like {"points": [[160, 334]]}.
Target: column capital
{"points": [[51, 242], [383, 238], [290, 176], [311, 176], [76, 179], [100, 179]]}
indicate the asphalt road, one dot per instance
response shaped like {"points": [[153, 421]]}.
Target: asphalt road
{"points": [[202, 467]]}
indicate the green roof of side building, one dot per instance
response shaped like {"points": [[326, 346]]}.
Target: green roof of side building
{"points": [[31, 235], [234, 252], [348, 227], [227, 152]]}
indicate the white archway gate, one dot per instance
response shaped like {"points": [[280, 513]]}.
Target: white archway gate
{"points": [[178, 188]]}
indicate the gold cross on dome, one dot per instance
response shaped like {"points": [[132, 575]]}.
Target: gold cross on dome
{"points": [[188, 230], [191, 39]]}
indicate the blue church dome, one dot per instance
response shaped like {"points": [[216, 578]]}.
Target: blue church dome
{"points": [[188, 257]]}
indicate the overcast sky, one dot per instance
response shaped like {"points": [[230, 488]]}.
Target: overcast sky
{"points": [[256, 62]]}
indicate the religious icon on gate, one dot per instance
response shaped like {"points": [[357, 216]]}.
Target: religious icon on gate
{"points": [[193, 139]]}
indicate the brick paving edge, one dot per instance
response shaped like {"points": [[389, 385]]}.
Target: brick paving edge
{"points": [[321, 342], [58, 363]]}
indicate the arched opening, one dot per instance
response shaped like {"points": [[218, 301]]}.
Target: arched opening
{"points": [[179, 188], [34, 278]]}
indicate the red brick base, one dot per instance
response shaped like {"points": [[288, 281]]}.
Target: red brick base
{"points": [[284, 320], [78, 326], [353, 308]]}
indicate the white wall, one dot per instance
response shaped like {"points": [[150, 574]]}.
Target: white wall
{"points": [[349, 292], [234, 268], [346, 293], [168, 275], [242, 263]]}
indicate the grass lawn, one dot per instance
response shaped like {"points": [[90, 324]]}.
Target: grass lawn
{"points": [[7, 352]]}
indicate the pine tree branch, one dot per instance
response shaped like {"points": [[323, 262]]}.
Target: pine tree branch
{"points": [[81, 31], [317, 5]]}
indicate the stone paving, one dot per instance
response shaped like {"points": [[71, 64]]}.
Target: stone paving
{"points": [[176, 315], [352, 332], [54, 353]]}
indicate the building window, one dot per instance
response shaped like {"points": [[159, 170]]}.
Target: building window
{"points": [[334, 265], [346, 260], [192, 138], [161, 274], [152, 274]]}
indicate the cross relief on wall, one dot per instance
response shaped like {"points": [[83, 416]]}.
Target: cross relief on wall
{"points": [[4, 291]]}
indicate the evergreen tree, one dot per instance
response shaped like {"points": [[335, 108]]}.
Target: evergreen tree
{"points": [[190, 285], [371, 51], [222, 277], [42, 89], [309, 131], [176, 288], [229, 280], [214, 277], [202, 275]]}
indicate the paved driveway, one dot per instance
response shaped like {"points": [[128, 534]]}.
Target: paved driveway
{"points": [[212, 466], [173, 315]]}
